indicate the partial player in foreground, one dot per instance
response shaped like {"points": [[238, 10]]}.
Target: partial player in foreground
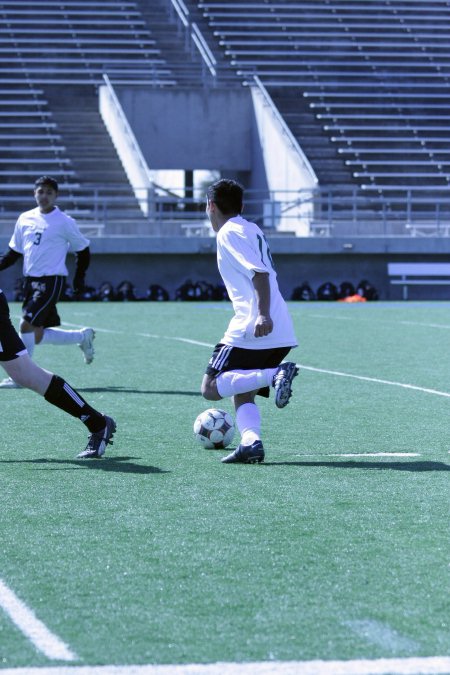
{"points": [[248, 359], [43, 236], [18, 365]]}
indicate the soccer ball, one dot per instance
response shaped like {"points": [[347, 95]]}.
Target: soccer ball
{"points": [[214, 428]]}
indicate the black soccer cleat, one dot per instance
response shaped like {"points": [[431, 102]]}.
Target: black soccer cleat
{"points": [[98, 441], [246, 454], [282, 383]]}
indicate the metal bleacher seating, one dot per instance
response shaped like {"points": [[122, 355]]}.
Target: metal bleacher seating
{"points": [[364, 85], [29, 142], [77, 42], [52, 64]]}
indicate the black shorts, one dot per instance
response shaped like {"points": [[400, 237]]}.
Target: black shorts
{"points": [[41, 296], [226, 357], [11, 346]]}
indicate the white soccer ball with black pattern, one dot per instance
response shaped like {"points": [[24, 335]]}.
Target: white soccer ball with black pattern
{"points": [[214, 428]]}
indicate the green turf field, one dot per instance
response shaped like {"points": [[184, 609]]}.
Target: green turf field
{"points": [[337, 547]]}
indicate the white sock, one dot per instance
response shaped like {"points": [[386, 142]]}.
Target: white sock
{"points": [[241, 381], [29, 342], [248, 422], [58, 336]]}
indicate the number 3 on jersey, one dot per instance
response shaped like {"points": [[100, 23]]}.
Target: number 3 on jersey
{"points": [[37, 238]]}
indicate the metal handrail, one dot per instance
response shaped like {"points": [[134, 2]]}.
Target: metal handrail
{"points": [[195, 35], [282, 122], [333, 211]]}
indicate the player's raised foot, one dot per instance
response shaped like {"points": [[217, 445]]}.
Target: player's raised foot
{"points": [[246, 454], [8, 383], [282, 383], [98, 441], [87, 344]]}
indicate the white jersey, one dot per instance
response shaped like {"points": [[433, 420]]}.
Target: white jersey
{"points": [[44, 240], [242, 250]]}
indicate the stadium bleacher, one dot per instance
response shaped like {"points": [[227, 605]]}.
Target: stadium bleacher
{"points": [[363, 85], [370, 72], [49, 119], [54, 63]]}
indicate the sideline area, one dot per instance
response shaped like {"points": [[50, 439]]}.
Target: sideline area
{"points": [[432, 665]]}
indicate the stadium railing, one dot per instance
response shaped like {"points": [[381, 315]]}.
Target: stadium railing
{"points": [[56, 172], [357, 10], [333, 212]]}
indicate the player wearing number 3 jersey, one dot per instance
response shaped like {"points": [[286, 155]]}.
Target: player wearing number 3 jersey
{"points": [[248, 359], [43, 237]]}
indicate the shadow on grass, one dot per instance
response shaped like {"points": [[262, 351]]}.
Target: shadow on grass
{"points": [[418, 466], [113, 464], [130, 390]]}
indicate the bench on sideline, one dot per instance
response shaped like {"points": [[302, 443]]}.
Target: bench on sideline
{"points": [[418, 274]]}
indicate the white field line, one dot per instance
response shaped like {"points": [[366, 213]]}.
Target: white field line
{"points": [[382, 635], [177, 339], [364, 454], [420, 324], [424, 325], [435, 665], [25, 620], [324, 371], [432, 665], [436, 392]]}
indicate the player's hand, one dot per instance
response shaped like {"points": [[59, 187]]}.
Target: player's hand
{"points": [[78, 283], [263, 326]]}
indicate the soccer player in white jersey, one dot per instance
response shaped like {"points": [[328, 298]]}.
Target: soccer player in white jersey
{"points": [[248, 359], [43, 237], [15, 360]]}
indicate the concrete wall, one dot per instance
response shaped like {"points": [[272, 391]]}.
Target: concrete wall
{"points": [[184, 129], [170, 262]]}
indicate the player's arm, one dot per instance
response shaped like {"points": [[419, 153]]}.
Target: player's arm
{"points": [[82, 260], [9, 258], [263, 323]]}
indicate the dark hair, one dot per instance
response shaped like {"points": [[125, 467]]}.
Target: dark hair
{"points": [[46, 180], [227, 194]]}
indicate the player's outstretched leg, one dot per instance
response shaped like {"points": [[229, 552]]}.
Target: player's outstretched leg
{"points": [[246, 454], [99, 440], [87, 344], [282, 383]]}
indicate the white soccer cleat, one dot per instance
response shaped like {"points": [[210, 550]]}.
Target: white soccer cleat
{"points": [[87, 344], [8, 383]]}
